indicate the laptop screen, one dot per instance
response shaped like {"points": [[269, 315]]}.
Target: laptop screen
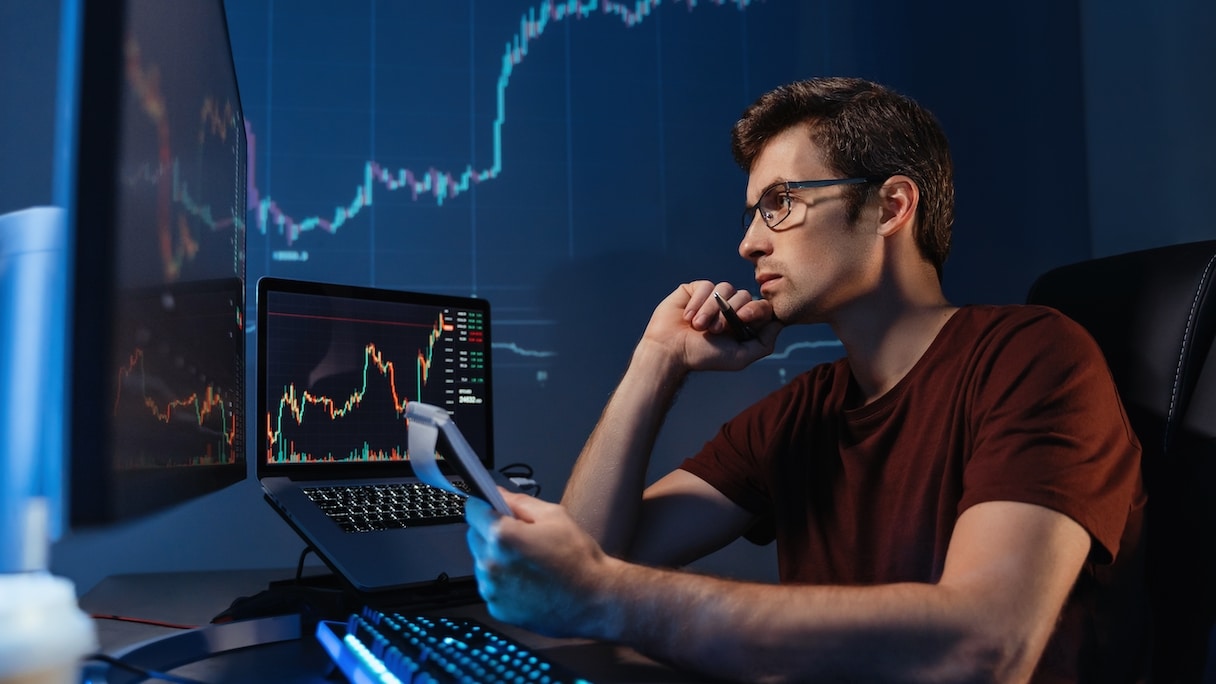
{"points": [[338, 364]]}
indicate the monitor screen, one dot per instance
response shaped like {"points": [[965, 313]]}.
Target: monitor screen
{"points": [[338, 364], [156, 204]]}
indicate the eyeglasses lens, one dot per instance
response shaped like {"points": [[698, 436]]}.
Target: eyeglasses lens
{"points": [[772, 206]]}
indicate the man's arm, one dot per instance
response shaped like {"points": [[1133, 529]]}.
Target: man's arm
{"points": [[685, 333], [1009, 569], [604, 490]]}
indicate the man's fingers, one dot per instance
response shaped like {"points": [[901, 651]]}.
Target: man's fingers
{"points": [[695, 311], [525, 506]]}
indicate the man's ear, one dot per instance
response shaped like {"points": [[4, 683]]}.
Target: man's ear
{"points": [[898, 200]]}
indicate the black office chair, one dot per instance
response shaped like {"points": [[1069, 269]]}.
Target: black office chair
{"points": [[1153, 313]]}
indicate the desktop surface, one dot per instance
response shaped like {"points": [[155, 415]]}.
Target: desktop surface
{"points": [[192, 599]]}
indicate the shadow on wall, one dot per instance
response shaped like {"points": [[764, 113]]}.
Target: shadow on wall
{"points": [[599, 306]]}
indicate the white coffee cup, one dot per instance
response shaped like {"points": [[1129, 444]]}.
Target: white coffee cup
{"points": [[44, 635]]}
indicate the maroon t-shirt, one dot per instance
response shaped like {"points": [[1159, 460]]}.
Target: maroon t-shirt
{"points": [[1009, 403]]}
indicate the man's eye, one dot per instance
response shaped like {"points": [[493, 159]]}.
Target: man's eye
{"points": [[778, 203]]}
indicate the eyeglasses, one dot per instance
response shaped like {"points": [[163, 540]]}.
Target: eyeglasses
{"points": [[776, 203]]}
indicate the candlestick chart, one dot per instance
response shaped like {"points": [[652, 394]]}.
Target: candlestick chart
{"points": [[337, 381], [438, 185], [172, 199], [177, 382], [208, 411]]}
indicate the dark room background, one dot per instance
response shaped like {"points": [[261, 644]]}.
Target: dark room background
{"points": [[574, 169]]}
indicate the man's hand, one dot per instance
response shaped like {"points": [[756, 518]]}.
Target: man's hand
{"points": [[689, 325], [539, 570]]}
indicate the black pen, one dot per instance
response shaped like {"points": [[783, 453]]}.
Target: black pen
{"points": [[741, 329]]}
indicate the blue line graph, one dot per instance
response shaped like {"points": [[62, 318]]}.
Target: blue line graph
{"points": [[798, 346], [446, 185], [520, 351]]}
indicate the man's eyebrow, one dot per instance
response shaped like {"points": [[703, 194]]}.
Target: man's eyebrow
{"points": [[780, 181]]}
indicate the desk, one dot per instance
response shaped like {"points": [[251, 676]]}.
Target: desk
{"points": [[194, 598]]}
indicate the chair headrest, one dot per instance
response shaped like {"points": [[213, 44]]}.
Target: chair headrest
{"points": [[1153, 313]]}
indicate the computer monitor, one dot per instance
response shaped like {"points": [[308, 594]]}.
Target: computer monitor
{"points": [[152, 172]]}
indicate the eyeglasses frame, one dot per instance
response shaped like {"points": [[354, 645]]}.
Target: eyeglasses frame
{"points": [[754, 210]]}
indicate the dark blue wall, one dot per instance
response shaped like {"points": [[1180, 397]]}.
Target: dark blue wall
{"points": [[1005, 79], [1151, 104]]}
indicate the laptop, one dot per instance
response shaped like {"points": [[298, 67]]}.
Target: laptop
{"points": [[337, 366]]}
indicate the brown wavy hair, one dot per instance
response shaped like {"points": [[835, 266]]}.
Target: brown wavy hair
{"points": [[863, 130]]}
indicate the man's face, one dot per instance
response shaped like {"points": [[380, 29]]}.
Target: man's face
{"points": [[813, 262]]}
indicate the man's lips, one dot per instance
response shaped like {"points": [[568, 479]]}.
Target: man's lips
{"points": [[763, 279]]}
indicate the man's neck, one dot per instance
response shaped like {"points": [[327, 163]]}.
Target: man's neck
{"points": [[884, 344]]}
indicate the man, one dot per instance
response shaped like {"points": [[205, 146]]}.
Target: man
{"points": [[956, 499]]}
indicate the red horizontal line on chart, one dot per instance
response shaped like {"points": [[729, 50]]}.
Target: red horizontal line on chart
{"points": [[347, 319]]}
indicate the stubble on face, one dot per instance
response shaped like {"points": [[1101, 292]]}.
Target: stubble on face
{"points": [[820, 265]]}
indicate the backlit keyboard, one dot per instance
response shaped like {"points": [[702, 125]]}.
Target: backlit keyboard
{"points": [[365, 508], [392, 647]]}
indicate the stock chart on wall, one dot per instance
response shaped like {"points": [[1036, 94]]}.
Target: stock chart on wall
{"points": [[569, 161]]}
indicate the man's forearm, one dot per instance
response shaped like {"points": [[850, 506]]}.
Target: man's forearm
{"points": [[757, 632], [605, 488]]}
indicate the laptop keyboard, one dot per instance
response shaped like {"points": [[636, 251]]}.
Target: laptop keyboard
{"points": [[367, 508]]}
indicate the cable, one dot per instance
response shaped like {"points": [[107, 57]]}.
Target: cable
{"points": [[521, 470], [145, 621], [300, 563]]}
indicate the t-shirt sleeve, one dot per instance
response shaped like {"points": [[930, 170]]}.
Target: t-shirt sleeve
{"points": [[753, 448], [1050, 429], [731, 462]]}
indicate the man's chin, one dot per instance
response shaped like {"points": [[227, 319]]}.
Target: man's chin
{"points": [[788, 316], [779, 315]]}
